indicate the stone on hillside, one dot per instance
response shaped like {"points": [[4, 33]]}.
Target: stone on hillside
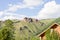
{"points": [[21, 28], [30, 20], [25, 27], [36, 20], [25, 18]]}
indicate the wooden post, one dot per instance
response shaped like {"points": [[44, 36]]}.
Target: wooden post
{"points": [[40, 37], [51, 30]]}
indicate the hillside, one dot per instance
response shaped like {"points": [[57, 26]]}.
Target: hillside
{"points": [[26, 29]]}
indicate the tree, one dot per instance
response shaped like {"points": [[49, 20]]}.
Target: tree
{"points": [[7, 31]]}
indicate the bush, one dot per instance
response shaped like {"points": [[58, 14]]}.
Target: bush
{"points": [[7, 31]]}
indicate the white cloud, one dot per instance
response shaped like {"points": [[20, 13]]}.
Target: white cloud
{"points": [[26, 4], [32, 2], [13, 17], [1, 13], [50, 10], [14, 8], [8, 15]]}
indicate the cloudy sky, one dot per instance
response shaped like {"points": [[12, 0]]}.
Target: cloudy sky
{"points": [[18, 9]]}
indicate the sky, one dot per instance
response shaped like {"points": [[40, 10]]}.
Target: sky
{"points": [[39, 9]]}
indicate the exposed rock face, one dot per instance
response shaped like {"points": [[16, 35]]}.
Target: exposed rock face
{"points": [[37, 20], [28, 19]]}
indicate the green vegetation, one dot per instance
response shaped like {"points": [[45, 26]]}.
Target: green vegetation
{"points": [[53, 36], [7, 31], [25, 29]]}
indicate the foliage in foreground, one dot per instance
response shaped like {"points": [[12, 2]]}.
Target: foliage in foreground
{"points": [[7, 31], [53, 36]]}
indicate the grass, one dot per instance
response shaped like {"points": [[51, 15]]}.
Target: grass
{"points": [[33, 29], [53, 36]]}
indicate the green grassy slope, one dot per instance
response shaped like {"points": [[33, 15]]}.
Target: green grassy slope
{"points": [[25, 29], [48, 25]]}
